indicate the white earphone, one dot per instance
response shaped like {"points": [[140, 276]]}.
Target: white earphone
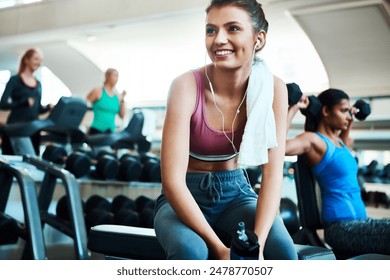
{"points": [[257, 44]]}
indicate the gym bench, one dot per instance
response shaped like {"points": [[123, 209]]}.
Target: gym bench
{"points": [[115, 241]]}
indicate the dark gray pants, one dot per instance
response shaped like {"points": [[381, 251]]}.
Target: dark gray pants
{"points": [[225, 199]]}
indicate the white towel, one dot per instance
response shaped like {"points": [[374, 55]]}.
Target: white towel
{"points": [[260, 131]]}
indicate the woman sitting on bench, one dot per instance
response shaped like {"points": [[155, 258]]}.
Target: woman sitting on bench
{"points": [[325, 147]]}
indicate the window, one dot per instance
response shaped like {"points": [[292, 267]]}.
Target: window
{"points": [[4, 77], [52, 87], [11, 3]]}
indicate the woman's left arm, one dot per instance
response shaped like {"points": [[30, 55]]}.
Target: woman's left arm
{"points": [[272, 175]]}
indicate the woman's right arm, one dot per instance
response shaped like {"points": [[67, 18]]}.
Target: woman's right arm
{"points": [[94, 95], [174, 161], [301, 143]]}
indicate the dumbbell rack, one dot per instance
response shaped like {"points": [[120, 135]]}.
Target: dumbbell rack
{"points": [[32, 231], [77, 230]]}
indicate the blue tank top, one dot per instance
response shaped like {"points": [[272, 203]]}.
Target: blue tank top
{"points": [[336, 174]]}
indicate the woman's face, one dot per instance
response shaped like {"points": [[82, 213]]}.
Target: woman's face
{"points": [[34, 62], [112, 78], [230, 38], [340, 116]]}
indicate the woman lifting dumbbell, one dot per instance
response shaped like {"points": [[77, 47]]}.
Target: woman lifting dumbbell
{"points": [[325, 146], [106, 104], [209, 129], [22, 96]]}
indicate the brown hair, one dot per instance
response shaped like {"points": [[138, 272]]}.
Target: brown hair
{"points": [[252, 7], [26, 56], [108, 72]]}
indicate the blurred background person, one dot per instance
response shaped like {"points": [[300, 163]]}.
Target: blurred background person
{"points": [[106, 104], [22, 96]]}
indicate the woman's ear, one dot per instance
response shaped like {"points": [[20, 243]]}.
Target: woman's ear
{"points": [[325, 111], [260, 40]]}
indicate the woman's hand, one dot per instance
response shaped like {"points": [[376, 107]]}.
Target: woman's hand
{"points": [[123, 95], [222, 253], [261, 255], [303, 103], [30, 101]]}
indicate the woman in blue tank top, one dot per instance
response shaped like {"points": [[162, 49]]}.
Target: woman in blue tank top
{"points": [[324, 145]]}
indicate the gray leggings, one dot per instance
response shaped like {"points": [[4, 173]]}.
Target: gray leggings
{"points": [[360, 236], [225, 199]]}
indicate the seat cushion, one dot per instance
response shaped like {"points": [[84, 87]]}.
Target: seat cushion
{"points": [[125, 242], [307, 252]]}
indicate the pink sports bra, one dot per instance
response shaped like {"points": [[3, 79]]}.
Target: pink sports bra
{"points": [[206, 143]]}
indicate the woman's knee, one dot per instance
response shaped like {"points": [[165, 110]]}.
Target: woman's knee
{"points": [[178, 240], [279, 244], [187, 249]]}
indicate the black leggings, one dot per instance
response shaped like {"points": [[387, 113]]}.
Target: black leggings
{"points": [[93, 131], [362, 236]]}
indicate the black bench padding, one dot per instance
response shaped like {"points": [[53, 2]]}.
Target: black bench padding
{"points": [[122, 241], [140, 243]]}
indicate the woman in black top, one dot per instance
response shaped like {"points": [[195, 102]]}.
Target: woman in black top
{"points": [[22, 96]]}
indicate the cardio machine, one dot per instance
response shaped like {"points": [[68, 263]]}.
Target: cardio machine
{"points": [[64, 119]]}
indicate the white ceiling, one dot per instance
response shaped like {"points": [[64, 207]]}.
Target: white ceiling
{"points": [[353, 40]]}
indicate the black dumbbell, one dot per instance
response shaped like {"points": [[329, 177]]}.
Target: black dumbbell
{"points": [[124, 210], [97, 201], [294, 93], [76, 163], [97, 209], [86, 151], [134, 213], [127, 217], [122, 202], [363, 109], [98, 217], [130, 168], [385, 174], [106, 165], [313, 108], [146, 217], [151, 169], [144, 145], [144, 201], [62, 209], [145, 207]]}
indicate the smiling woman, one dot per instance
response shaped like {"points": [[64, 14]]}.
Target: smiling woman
{"points": [[209, 115], [177, 45]]}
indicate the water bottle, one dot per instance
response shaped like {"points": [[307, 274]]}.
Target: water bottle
{"points": [[245, 245]]}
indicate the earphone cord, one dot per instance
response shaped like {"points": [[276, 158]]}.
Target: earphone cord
{"points": [[223, 117]]}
